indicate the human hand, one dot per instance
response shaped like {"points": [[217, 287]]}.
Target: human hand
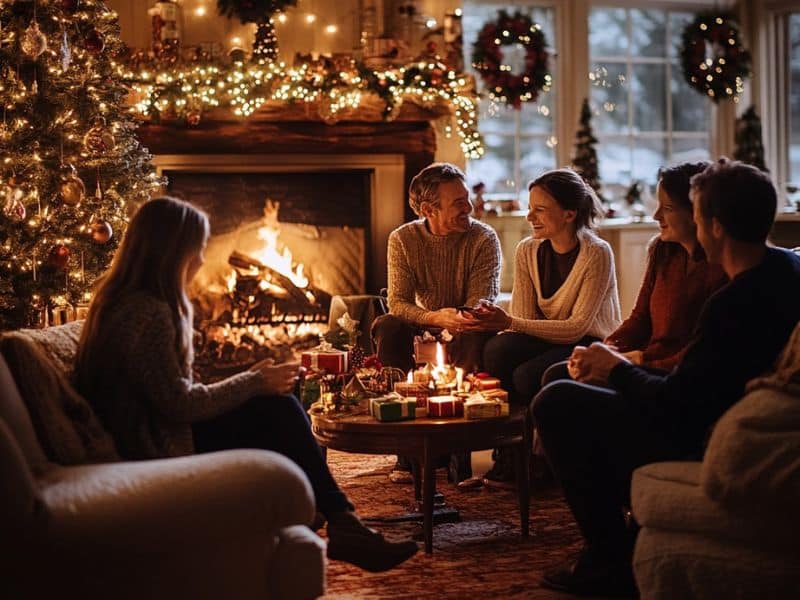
{"points": [[593, 364], [278, 379], [489, 317], [451, 319], [635, 356]]}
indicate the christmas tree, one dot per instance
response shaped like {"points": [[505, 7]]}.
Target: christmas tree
{"points": [[749, 145], [265, 45], [584, 159], [71, 165]]}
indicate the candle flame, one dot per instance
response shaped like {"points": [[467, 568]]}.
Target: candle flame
{"points": [[410, 378], [439, 356]]}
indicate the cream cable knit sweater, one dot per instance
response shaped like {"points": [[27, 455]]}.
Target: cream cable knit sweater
{"points": [[428, 272], [587, 303], [140, 390]]}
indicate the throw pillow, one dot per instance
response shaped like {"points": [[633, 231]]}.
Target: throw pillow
{"points": [[65, 423]]}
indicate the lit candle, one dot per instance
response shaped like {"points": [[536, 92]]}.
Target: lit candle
{"points": [[459, 378]]}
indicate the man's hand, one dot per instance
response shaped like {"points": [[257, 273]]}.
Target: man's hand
{"points": [[278, 379], [451, 319], [593, 364], [489, 317]]}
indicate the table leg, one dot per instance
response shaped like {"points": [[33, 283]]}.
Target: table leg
{"points": [[428, 489]]}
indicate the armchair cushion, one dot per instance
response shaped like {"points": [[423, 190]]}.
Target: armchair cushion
{"points": [[67, 427]]}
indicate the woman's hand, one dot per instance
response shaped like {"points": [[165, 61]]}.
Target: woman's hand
{"points": [[278, 379], [451, 319], [635, 356], [489, 317]]}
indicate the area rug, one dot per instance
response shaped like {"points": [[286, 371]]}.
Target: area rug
{"points": [[482, 556]]}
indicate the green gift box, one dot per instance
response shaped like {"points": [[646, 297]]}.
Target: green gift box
{"points": [[393, 408]]}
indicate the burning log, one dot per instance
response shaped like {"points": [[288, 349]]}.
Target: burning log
{"points": [[242, 261]]}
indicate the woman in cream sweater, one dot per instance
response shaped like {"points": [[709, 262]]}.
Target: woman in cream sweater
{"points": [[565, 287]]}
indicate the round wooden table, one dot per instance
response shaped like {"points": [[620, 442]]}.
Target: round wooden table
{"points": [[426, 439]]}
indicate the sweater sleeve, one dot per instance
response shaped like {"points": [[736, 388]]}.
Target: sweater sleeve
{"points": [[524, 303], [484, 275], [402, 298], [593, 288], [169, 390], [635, 331]]}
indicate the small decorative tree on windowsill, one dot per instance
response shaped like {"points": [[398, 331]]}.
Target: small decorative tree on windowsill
{"points": [[265, 45]]}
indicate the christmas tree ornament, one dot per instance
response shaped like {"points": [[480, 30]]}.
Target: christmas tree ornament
{"points": [[58, 257], [65, 52], [193, 117], [94, 42], [72, 190], [69, 6], [98, 190], [14, 209], [99, 138], [101, 231], [33, 42]]}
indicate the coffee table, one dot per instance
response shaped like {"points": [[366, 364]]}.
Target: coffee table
{"points": [[426, 439]]}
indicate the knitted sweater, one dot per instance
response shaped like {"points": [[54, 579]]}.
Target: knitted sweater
{"points": [[587, 303], [672, 294], [428, 272], [140, 390]]}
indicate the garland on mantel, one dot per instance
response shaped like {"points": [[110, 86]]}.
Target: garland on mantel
{"points": [[185, 90]]}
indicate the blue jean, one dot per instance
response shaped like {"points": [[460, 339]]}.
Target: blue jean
{"points": [[280, 424]]}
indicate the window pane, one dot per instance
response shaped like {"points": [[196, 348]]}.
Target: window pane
{"points": [[495, 117], [648, 156], [677, 22], [794, 99], [537, 117], [649, 97], [608, 35], [690, 111], [614, 160], [689, 150], [609, 95], [536, 158], [496, 167], [648, 33]]}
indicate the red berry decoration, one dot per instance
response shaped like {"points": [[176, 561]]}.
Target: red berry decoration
{"points": [[94, 42], [59, 257]]}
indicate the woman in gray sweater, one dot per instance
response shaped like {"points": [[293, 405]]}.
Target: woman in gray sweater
{"points": [[134, 365]]}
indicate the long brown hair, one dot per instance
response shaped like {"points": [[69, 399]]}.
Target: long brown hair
{"points": [[571, 193], [162, 239]]}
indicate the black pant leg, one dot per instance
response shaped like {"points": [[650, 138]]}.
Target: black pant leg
{"points": [[593, 443], [394, 341], [280, 424]]}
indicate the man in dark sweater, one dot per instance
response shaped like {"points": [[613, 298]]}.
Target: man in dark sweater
{"points": [[614, 416]]}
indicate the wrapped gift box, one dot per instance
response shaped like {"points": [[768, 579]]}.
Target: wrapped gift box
{"points": [[445, 406], [495, 394], [417, 391], [328, 359], [484, 382], [392, 408], [425, 351], [478, 407]]}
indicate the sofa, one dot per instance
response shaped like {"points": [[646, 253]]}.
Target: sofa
{"points": [[76, 521], [726, 527]]}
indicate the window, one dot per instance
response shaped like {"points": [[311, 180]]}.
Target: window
{"points": [[794, 100], [646, 116], [519, 144]]}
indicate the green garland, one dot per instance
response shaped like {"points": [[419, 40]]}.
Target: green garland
{"points": [[487, 59], [720, 73], [252, 11]]}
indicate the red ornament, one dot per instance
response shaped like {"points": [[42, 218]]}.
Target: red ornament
{"points": [[69, 6], [94, 42], [101, 232], [59, 257]]}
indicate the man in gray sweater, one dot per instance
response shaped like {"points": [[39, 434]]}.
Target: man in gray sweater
{"points": [[438, 263]]}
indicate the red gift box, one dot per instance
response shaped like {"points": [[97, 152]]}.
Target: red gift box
{"points": [[445, 406], [332, 361]]}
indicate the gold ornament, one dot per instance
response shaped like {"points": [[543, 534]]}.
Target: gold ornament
{"points": [[34, 42], [99, 139], [101, 231], [72, 189], [12, 195]]}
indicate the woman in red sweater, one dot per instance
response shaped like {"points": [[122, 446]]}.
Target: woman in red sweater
{"points": [[677, 282]]}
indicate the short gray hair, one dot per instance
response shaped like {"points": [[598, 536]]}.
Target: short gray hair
{"points": [[425, 185]]}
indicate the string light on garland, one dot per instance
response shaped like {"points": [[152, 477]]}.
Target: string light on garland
{"points": [[713, 59], [505, 82]]}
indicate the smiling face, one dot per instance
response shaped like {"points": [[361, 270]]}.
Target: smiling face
{"points": [[546, 216], [676, 222], [452, 214]]}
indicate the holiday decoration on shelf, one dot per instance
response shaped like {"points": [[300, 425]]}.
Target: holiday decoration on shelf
{"points": [[713, 59], [71, 50], [749, 142], [265, 45], [523, 80], [584, 159], [165, 16]]}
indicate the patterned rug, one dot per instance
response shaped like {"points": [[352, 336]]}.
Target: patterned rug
{"points": [[482, 554]]}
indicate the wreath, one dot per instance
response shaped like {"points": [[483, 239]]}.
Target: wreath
{"points": [[487, 58], [252, 11], [713, 59]]}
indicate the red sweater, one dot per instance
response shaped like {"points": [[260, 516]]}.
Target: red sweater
{"points": [[672, 294]]}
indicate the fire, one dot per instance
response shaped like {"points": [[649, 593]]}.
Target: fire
{"points": [[280, 261]]}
